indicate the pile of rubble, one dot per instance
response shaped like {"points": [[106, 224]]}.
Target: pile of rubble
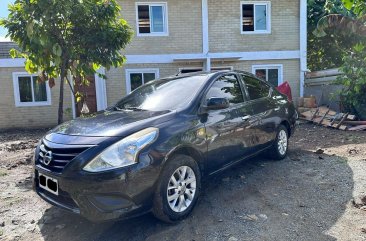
{"points": [[309, 110], [329, 118]]}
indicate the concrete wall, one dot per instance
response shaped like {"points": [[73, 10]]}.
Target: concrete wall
{"points": [[225, 27], [30, 116], [185, 29]]}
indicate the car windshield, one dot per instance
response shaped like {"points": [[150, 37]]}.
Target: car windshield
{"points": [[164, 94]]}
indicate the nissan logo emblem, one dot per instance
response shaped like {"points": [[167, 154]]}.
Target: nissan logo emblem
{"points": [[47, 158]]}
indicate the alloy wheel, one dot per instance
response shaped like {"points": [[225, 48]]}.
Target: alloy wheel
{"points": [[181, 189], [282, 142]]}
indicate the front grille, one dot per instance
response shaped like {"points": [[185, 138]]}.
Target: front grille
{"points": [[60, 156]]}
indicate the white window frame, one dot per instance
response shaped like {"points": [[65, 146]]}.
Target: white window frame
{"points": [[138, 71], [165, 16], [18, 103], [268, 20], [270, 66]]}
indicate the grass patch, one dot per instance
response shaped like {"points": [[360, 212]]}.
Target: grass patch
{"points": [[3, 172]]}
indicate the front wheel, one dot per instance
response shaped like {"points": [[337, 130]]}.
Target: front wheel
{"points": [[177, 190], [279, 148]]}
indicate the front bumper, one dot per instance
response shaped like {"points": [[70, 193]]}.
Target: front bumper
{"points": [[100, 197]]}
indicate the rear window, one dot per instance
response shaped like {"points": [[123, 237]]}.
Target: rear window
{"points": [[165, 94]]}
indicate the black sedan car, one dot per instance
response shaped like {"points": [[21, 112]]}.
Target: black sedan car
{"points": [[150, 151]]}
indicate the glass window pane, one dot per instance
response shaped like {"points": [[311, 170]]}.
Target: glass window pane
{"points": [[256, 88], [157, 20], [248, 17], [136, 81], [273, 76], [226, 87], [25, 89], [164, 94], [40, 93], [261, 73], [260, 17], [144, 18], [148, 77]]}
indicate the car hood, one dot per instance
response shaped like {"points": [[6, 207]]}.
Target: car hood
{"points": [[112, 123]]}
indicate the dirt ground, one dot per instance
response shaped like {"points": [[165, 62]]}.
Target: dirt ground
{"points": [[307, 196]]}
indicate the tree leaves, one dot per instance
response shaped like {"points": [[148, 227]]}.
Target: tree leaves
{"points": [[67, 36], [57, 50], [348, 4]]}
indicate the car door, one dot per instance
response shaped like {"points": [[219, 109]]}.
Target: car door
{"points": [[264, 110], [229, 135]]}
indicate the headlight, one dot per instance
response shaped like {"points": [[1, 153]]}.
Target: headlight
{"points": [[124, 152]]}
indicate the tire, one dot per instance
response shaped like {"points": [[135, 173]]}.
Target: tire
{"points": [[181, 203], [279, 148]]}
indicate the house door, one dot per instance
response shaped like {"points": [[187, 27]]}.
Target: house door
{"points": [[89, 96]]}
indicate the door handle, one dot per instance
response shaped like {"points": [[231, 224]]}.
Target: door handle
{"points": [[246, 118]]}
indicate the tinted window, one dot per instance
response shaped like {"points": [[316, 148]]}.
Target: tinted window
{"points": [[256, 88], [226, 87], [165, 94]]}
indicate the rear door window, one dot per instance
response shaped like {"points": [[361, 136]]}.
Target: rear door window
{"points": [[256, 88], [227, 87]]}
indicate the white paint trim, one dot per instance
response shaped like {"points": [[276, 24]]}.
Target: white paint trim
{"points": [[260, 55], [18, 103], [303, 44], [268, 17], [12, 63], [212, 68], [138, 71], [207, 65], [100, 90], [165, 17], [71, 78], [170, 58], [270, 66], [205, 36]]}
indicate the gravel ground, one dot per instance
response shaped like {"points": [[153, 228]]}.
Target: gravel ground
{"points": [[307, 196]]}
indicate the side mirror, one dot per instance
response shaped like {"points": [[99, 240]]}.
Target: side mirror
{"points": [[215, 103]]}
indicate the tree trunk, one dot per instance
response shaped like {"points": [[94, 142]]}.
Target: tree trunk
{"points": [[61, 98]]}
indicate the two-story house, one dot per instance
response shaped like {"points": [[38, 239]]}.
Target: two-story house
{"points": [[267, 38]]}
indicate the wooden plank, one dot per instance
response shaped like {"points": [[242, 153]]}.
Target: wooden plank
{"points": [[343, 119], [355, 123], [316, 120], [351, 117], [326, 123], [343, 127], [325, 114], [358, 128], [324, 109], [315, 113], [322, 73]]}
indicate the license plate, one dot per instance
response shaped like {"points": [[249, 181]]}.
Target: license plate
{"points": [[48, 183]]}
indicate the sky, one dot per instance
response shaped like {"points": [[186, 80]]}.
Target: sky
{"points": [[4, 13]]}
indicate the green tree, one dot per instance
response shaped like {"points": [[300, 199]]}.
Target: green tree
{"points": [[58, 38], [353, 80], [326, 47], [351, 22]]}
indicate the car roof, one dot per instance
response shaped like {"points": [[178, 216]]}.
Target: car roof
{"points": [[208, 73]]}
